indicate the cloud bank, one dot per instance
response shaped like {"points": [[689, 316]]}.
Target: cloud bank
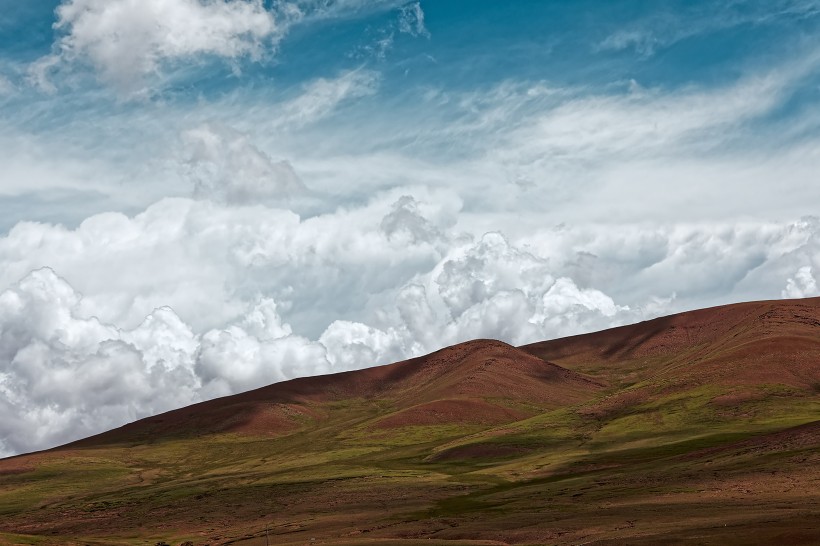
{"points": [[192, 299]]}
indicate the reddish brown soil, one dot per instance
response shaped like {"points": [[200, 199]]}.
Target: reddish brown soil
{"points": [[465, 411], [258, 418], [9, 467], [706, 328], [758, 343], [803, 437]]}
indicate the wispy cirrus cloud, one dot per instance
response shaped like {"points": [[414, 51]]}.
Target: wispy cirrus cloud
{"points": [[668, 27], [6, 86], [319, 97]]}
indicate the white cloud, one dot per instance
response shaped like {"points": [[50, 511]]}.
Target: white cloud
{"points": [[321, 96], [405, 221], [572, 153], [643, 41], [655, 154], [127, 40], [258, 350], [224, 164], [130, 43], [411, 20], [66, 375], [194, 299], [558, 130], [802, 285], [665, 27], [352, 345], [492, 288], [6, 86], [39, 73], [128, 266]]}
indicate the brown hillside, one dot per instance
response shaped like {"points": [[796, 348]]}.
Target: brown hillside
{"points": [[698, 428], [741, 345], [458, 411], [768, 342], [453, 385]]}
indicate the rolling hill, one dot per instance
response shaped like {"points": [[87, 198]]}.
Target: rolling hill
{"points": [[702, 427]]}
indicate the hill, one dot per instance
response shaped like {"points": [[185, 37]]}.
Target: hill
{"points": [[700, 427], [484, 381]]}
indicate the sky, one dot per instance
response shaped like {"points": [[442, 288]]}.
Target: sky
{"points": [[200, 197]]}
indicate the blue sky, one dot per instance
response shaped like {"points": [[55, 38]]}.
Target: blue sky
{"points": [[201, 197], [459, 51]]}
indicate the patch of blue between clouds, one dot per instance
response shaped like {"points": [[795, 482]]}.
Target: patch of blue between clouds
{"points": [[26, 28]]}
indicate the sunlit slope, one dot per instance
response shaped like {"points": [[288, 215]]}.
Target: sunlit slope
{"points": [[697, 427]]}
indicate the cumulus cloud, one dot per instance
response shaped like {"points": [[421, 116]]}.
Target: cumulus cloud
{"points": [[126, 41], [224, 164], [66, 375], [256, 350], [192, 299], [352, 345], [492, 288], [128, 266], [802, 285], [74, 364], [405, 220]]}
